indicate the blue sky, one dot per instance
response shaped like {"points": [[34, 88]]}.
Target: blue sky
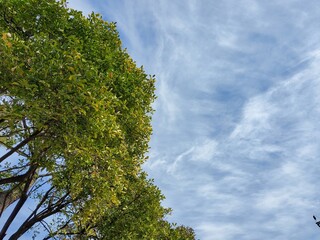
{"points": [[236, 143], [236, 136]]}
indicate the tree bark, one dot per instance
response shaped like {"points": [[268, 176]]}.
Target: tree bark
{"points": [[23, 196], [10, 196]]}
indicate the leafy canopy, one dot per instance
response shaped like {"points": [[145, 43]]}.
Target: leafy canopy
{"points": [[75, 114]]}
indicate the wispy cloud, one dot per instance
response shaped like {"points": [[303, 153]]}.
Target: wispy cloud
{"points": [[236, 129]]}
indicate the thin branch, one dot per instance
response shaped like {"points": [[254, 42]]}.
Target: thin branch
{"points": [[25, 126], [44, 198], [20, 145], [56, 207], [45, 225], [35, 188], [14, 179], [57, 231], [14, 168], [45, 175], [18, 151]]}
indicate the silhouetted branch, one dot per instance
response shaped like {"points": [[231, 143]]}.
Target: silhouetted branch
{"points": [[20, 145], [14, 168], [19, 178], [50, 210], [18, 151]]}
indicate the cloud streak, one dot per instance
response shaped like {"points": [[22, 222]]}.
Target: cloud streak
{"points": [[236, 129]]}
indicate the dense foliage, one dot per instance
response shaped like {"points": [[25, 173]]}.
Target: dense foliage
{"points": [[75, 114]]}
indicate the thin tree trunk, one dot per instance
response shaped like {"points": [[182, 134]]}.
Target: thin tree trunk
{"points": [[10, 196], [22, 199]]}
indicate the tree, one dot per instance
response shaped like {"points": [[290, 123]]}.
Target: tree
{"points": [[138, 216], [75, 114], [141, 216]]}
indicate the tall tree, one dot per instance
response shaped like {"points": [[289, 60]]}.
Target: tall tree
{"points": [[138, 216], [75, 114]]}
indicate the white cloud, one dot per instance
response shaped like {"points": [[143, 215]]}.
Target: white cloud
{"points": [[256, 117], [205, 151], [236, 132], [227, 231]]}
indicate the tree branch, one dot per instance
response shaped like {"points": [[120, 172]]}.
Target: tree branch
{"points": [[55, 208], [14, 168], [57, 231], [19, 178], [20, 145], [18, 151], [22, 200]]}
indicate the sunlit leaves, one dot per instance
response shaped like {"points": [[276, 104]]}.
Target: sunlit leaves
{"points": [[81, 109]]}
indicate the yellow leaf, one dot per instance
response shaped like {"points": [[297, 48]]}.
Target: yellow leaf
{"points": [[5, 39], [4, 36], [8, 44], [72, 77]]}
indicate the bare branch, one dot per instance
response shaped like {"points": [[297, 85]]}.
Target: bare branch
{"points": [[19, 178], [45, 225], [14, 168], [55, 208], [20, 145], [36, 187], [57, 231], [18, 151]]}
